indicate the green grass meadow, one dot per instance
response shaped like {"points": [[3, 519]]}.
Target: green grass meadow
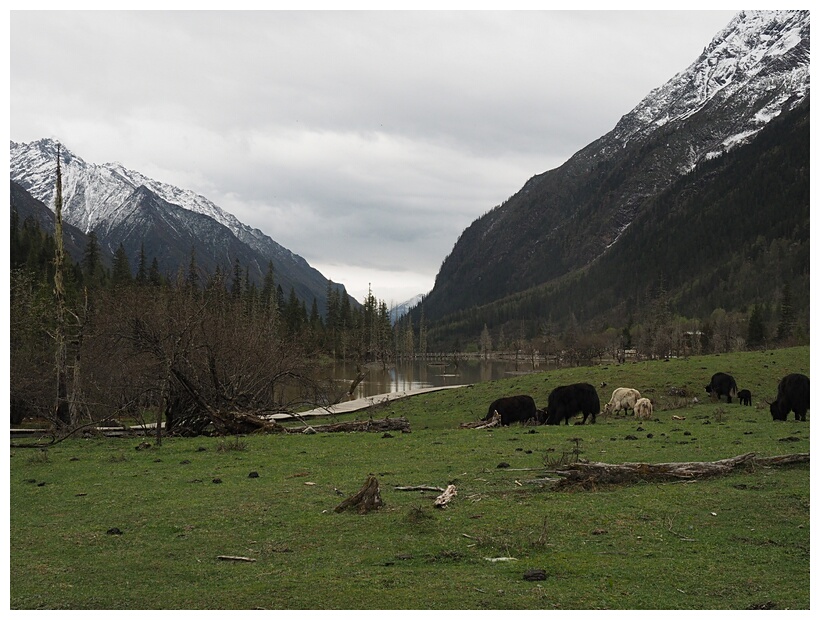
{"points": [[740, 541]]}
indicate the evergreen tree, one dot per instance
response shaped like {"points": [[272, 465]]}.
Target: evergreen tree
{"points": [[236, 281], [120, 269], [268, 296], [757, 328], [154, 276], [91, 257], [785, 327], [315, 319], [142, 268], [192, 279]]}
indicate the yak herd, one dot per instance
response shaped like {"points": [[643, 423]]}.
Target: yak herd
{"points": [[567, 401]]}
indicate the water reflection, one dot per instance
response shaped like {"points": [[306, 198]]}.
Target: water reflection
{"points": [[418, 374]]}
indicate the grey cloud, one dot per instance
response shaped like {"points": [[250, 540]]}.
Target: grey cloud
{"points": [[368, 139]]}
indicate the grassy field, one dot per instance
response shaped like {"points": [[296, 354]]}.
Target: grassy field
{"points": [[739, 541]]}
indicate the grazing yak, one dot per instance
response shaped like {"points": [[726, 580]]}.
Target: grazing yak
{"points": [[566, 401], [643, 409], [745, 397], [514, 409], [792, 395], [722, 385], [622, 399]]}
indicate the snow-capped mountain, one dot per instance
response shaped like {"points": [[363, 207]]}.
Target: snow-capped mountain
{"points": [[398, 311], [562, 220], [758, 65], [124, 206]]}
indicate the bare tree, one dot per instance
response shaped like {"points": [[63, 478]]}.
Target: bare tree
{"points": [[62, 407]]}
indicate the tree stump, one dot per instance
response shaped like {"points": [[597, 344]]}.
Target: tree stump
{"points": [[368, 498]]}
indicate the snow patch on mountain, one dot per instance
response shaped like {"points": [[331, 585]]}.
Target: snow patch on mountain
{"points": [[759, 55], [94, 193]]}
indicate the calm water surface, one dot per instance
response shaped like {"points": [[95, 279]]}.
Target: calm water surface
{"points": [[423, 374]]}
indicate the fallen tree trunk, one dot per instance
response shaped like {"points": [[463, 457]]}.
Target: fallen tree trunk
{"points": [[587, 475], [372, 426], [237, 423]]}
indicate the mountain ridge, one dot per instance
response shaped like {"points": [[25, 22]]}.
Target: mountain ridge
{"points": [[124, 206], [567, 218]]}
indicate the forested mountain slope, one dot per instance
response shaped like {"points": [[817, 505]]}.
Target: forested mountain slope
{"points": [[729, 235], [656, 201]]}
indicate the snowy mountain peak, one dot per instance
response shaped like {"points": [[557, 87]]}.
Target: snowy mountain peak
{"points": [[760, 55], [124, 205]]}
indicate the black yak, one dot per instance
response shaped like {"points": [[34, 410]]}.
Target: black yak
{"points": [[568, 400]]}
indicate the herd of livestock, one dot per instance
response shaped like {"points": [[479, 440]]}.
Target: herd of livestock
{"points": [[567, 401]]}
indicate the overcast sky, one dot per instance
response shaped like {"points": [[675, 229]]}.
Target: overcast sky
{"points": [[366, 142]]}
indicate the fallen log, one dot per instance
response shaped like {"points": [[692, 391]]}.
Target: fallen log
{"points": [[589, 474], [783, 459], [357, 426], [368, 498], [237, 423]]}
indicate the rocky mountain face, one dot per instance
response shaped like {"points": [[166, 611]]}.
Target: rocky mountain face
{"points": [[124, 206], [566, 219]]}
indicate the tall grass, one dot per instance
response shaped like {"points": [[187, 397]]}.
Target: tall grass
{"points": [[735, 542]]}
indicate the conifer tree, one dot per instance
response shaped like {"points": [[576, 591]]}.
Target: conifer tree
{"points": [[142, 268], [757, 328], [786, 325], [236, 281], [120, 269], [268, 290], [192, 279], [91, 256], [154, 276]]}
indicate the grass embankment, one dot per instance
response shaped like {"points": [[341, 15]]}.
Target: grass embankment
{"points": [[734, 542]]}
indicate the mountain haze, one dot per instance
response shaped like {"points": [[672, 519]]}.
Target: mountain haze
{"points": [[564, 221]]}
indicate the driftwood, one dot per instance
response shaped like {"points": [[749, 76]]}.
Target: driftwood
{"points": [[373, 426], [587, 475], [494, 421], [368, 498], [443, 499]]}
